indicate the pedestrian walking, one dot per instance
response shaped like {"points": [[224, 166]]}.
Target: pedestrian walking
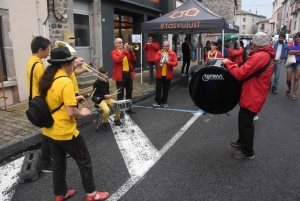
{"points": [[194, 46], [293, 49], [280, 49]]}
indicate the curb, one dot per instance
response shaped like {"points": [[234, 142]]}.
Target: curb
{"points": [[19, 145]]}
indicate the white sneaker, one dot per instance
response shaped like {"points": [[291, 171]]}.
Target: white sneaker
{"points": [[255, 118], [165, 105], [183, 74], [155, 104]]}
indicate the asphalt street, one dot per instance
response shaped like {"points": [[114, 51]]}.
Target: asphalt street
{"points": [[191, 155]]}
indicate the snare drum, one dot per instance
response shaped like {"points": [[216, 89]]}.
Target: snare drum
{"points": [[122, 105], [214, 89]]}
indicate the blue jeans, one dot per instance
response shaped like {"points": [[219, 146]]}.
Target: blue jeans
{"points": [[194, 54], [276, 72]]}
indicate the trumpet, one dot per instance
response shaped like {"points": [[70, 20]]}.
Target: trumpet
{"points": [[134, 47], [149, 43], [163, 58], [84, 65]]}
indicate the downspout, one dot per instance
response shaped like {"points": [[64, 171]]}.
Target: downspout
{"points": [[45, 22], [38, 15]]}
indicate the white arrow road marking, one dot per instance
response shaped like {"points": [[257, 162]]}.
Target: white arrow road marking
{"points": [[141, 161], [9, 178]]}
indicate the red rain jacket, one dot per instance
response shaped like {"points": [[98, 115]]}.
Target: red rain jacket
{"points": [[254, 90], [173, 62], [117, 57]]}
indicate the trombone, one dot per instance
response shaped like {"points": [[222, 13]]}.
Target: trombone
{"points": [[84, 65]]}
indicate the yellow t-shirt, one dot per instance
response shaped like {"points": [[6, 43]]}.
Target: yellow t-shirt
{"points": [[164, 68], [61, 91], [74, 80], [38, 71], [125, 63]]}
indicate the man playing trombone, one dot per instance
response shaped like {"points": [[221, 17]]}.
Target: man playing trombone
{"points": [[123, 72]]}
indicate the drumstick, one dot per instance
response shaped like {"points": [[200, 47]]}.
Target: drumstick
{"points": [[90, 97], [116, 92]]}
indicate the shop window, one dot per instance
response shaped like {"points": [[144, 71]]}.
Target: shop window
{"points": [[82, 30], [123, 27], [2, 58]]}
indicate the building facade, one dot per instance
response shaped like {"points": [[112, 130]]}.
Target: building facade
{"points": [[90, 26], [247, 21]]}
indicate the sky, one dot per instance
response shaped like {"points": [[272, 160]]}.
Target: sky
{"points": [[263, 7]]}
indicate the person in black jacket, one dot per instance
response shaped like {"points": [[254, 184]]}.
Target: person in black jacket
{"points": [[186, 53], [102, 98]]}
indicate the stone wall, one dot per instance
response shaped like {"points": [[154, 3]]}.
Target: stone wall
{"points": [[60, 19], [224, 9]]}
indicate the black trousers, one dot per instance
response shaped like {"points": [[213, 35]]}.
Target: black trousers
{"points": [[162, 84], [246, 131], [46, 152], [186, 61], [127, 83], [79, 152]]}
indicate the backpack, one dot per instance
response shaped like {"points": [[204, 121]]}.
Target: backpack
{"points": [[38, 112]]}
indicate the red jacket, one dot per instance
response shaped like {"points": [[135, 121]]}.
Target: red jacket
{"points": [[219, 55], [230, 55], [173, 62], [151, 51], [238, 55], [117, 57], [254, 90]]}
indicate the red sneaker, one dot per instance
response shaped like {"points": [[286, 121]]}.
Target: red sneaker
{"points": [[70, 193], [97, 196]]}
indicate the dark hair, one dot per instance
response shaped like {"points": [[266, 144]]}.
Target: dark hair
{"points": [[48, 76], [39, 42], [297, 35], [282, 35], [214, 43], [102, 70], [226, 45]]}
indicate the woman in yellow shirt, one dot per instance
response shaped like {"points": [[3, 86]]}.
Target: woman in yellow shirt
{"points": [[63, 135]]}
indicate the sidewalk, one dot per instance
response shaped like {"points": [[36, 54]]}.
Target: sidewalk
{"points": [[17, 133]]}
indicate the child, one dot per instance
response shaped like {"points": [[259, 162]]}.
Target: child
{"points": [[40, 48], [103, 97]]}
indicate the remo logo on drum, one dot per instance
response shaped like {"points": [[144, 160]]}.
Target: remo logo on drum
{"points": [[207, 77]]}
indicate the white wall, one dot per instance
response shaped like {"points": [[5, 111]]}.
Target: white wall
{"points": [[23, 20]]}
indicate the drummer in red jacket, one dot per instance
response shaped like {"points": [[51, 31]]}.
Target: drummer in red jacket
{"points": [[213, 52], [164, 74], [254, 90], [123, 72], [151, 49]]}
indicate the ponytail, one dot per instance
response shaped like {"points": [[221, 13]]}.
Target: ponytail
{"points": [[47, 79]]}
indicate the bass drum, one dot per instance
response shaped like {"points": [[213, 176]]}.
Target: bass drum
{"points": [[214, 90]]}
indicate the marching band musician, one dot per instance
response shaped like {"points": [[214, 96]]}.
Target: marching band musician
{"points": [[213, 52], [254, 90], [63, 135], [102, 98], [123, 72], [151, 49], [40, 48], [164, 74]]}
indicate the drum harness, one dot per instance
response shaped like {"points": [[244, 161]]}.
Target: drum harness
{"points": [[260, 71]]}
